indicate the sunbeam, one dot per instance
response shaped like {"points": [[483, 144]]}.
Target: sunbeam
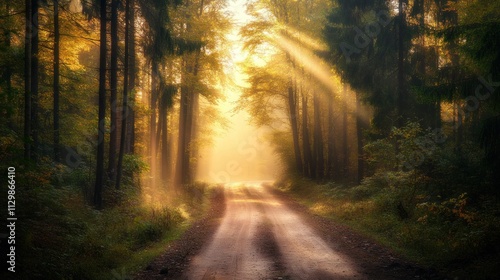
{"points": [[310, 42], [319, 70], [311, 63], [239, 151]]}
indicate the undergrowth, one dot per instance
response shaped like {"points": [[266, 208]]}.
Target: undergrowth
{"points": [[59, 236], [449, 234]]}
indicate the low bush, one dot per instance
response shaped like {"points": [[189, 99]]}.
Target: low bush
{"points": [[438, 234]]}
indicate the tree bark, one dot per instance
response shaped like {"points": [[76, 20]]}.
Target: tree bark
{"points": [[125, 108], [194, 134], [113, 82], [345, 145], [132, 72], [292, 106], [7, 75], [34, 76], [188, 112], [164, 141], [182, 145], [306, 146], [190, 122], [27, 81], [102, 108], [152, 123], [318, 139], [359, 133], [401, 88], [56, 81], [331, 140], [455, 64]]}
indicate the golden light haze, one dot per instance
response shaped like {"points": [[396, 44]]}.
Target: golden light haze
{"points": [[240, 151]]}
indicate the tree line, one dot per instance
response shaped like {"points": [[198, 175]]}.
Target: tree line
{"points": [[107, 66], [344, 76]]}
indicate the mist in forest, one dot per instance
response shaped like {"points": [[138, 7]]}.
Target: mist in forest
{"points": [[240, 152]]}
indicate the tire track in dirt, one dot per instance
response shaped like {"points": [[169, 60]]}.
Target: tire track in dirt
{"points": [[260, 238], [231, 254]]}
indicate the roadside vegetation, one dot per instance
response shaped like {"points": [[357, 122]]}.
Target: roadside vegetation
{"points": [[440, 213], [94, 99], [61, 235]]}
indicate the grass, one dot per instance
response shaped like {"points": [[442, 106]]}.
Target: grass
{"points": [[144, 256], [459, 245]]}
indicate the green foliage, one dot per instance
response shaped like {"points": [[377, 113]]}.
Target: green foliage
{"points": [[405, 149], [86, 244], [367, 63], [154, 224], [380, 155], [60, 235], [133, 164], [412, 162], [449, 210], [423, 197], [440, 233]]}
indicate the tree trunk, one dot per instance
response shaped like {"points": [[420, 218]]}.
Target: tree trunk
{"points": [[306, 146], [183, 116], [125, 112], [186, 168], [102, 108], [159, 122], [455, 64], [401, 94], [186, 120], [318, 139], [190, 123], [113, 83], [182, 145], [345, 145], [194, 134], [331, 140], [34, 76], [164, 141], [152, 122], [359, 133], [132, 72], [56, 81], [292, 106], [7, 75], [27, 81]]}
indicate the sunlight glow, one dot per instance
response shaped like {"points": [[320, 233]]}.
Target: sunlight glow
{"points": [[239, 151], [272, 202], [310, 62], [319, 69], [303, 38]]}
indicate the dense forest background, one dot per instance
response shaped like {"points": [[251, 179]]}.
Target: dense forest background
{"points": [[385, 113]]}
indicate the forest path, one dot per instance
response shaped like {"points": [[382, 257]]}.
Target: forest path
{"points": [[253, 231], [260, 238]]}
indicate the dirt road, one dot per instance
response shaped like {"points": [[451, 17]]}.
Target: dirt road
{"points": [[264, 234], [260, 238]]}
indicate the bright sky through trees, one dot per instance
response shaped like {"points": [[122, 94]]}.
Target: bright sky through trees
{"points": [[240, 150]]}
